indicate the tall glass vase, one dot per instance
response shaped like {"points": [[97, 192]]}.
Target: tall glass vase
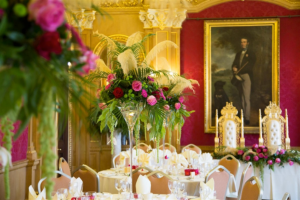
{"points": [[130, 112], [166, 125]]}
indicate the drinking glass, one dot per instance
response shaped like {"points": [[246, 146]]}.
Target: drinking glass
{"points": [[62, 194], [118, 185], [172, 186], [125, 186], [181, 187]]}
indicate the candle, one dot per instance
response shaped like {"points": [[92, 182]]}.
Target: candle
{"points": [[216, 123], [242, 123], [286, 124], [260, 131]]}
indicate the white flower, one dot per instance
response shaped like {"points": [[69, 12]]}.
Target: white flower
{"points": [[5, 157]]}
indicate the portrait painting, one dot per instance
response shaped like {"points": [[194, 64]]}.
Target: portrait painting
{"points": [[242, 67]]}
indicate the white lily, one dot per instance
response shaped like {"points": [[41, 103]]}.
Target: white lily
{"points": [[5, 158]]}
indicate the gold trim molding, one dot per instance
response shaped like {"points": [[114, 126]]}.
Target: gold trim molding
{"points": [[83, 19]]}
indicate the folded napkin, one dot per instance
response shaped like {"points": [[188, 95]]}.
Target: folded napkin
{"points": [[206, 158], [208, 189], [126, 154], [32, 195], [172, 197], [178, 159], [144, 159], [231, 189], [143, 185], [75, 187], [189, 154]]}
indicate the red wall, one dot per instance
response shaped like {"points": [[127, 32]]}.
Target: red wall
{"points": [[192, 64], [19, 149]]}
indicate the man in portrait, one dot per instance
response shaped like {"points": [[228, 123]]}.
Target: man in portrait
{"points": [[242, 68]]}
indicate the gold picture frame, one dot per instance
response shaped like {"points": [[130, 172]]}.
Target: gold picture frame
{"points": [[222, 40]]}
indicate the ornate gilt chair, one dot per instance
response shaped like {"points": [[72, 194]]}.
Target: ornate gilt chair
{"points": [[229, 127], [271, 128]]}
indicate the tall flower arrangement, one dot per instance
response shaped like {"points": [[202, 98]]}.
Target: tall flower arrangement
{"points": [[132, 79], [42, 58]]}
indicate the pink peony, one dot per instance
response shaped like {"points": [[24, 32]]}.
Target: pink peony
{"points": [[151, 100], [270, 162], [150, 78], [255, 158], [240, 152], [255, 146], [265, 150], [181, 99], [107, 86], [102, 106], [282, 151], [261, 155], [166, 107], [291, 163], [111, 77], [89, 58], [177, 106], [144, 93], [247, 158], [49, 14], [277, 160], [136, 86]]}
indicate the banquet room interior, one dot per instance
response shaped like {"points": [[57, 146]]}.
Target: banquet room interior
{"points": [[149, 99]]}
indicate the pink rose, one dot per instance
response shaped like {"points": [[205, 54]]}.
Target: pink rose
{"points": [[282, 151], [181, 99], [136, 86], [265, 150], [107, 86], [166, 107], [261, 155], [102, 106], [151, 100], [240, 152], [49, 14], [255, 158], [291, 163], [177, 106], [247, 158], [277, 160], [262, 146], [144, 93], [266, 156], [255, 146], [258, 150], [150, 78], [111, 77], [89, 58], [270, 162]]}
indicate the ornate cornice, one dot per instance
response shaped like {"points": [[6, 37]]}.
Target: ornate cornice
{"points": [[121, 3], [162, 18], [83, 19]]}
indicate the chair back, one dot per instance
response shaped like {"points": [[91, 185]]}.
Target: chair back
{"points": [[286, 196], [136, 173], [272, 128], [60, 182], [230, 163], [246, 175], [143, 146], [159, 185], [169, 147], [221, 178], [252, 189], [89, 177], [193, 148], [116, 159], [63, 166]]}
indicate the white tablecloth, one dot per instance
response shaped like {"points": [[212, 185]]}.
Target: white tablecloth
{"points": [[277, 182]]}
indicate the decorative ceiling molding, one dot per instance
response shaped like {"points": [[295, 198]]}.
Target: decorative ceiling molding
{"points": [[162, 18], [83, 19], [121, 3]]}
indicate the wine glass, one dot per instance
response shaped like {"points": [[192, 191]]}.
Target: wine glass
{"points": [[62, 194], [172, 186], [125, 186], [181, 187], [118, 185]]}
